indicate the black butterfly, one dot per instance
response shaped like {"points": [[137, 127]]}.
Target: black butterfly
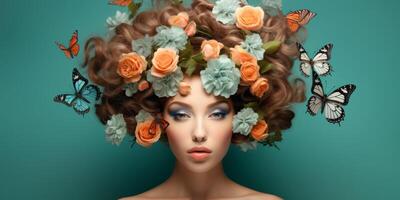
{"points": [[80, 101], [318, 64], [331, 105]]}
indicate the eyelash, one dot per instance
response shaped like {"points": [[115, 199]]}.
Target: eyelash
{"points": [[176, 116]]}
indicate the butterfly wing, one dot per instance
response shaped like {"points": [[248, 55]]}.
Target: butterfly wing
{"points": [[73, 48], [317, 88], [320, 60], [120, 2], [299, 18], [316, 101], [78, 81], [305, 65], [313, 105], [342, 94], [65, 50], [91, 92], [85, 91], [335, 101], [73, 44], [81, 106], [67, 99]]}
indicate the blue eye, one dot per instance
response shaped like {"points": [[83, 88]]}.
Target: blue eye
{"points": [[219, 115], [178, 116]]}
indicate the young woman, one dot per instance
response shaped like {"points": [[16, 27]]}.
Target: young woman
{"points": [[199, 81]]}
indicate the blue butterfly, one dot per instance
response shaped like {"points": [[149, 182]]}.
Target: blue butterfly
{"points": [[80, 101]]}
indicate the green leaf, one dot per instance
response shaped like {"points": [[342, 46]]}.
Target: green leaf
{"points": [[133, 8], [187, 52], [252, 105], [272, 47], [264, 66], [190, 66], [261, 114], [176, 2], [188, 63], [198, 57]]}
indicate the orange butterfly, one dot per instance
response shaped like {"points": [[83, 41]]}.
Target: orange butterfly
{"points": [[299, 18], [120, 2], [163, 124], [73, 48]]}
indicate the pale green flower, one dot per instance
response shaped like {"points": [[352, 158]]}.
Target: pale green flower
{"points": [[142, 116], [170, 37], [253, 44], [247, 145], [166, 86], [220, 77], [119, 18], [244, 121], [272, 7], [143, 46], [131, 88], [224, 11], [116, 129]]}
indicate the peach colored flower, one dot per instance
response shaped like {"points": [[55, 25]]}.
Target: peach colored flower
{"points": [[259, 87], [131, 66], [240, 56], [249, 72], [184, 88], [165, 61], [210, 49], [180, 20], [191, 28], [143, 84], [249, 18], [260, 130], [142, 133]]}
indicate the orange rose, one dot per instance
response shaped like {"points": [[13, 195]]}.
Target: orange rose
{"points": [[249, 72], [142, 133], [240, 56], [260, 130], [249, 18], [180, 20], [259, 87], [191, 28], [165, 61], [143, 84], [131, 66], [210, 49], [184, 88]]}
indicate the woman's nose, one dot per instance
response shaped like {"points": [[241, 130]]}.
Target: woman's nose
{"points": [[199, 133]]}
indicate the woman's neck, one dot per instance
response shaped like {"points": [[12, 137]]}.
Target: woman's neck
{"points": [[184, 183]]}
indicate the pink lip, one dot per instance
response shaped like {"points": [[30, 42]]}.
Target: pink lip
{"points": [[199, 149], [199, 155]]}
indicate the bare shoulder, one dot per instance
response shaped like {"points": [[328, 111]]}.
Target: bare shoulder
{"points": [[264, 196], [130, 198], [154, 193], [256, 195]]}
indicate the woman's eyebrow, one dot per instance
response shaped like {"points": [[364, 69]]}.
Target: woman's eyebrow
{"points": [[189, 106]]}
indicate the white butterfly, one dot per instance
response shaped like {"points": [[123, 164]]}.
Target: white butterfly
{"points": [[318, 64], [331, 104]]}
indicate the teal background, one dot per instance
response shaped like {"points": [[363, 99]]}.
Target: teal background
{"points": [[49, 152]]}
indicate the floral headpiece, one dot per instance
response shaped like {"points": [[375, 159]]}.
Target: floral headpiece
{"points": [[160, 62]]}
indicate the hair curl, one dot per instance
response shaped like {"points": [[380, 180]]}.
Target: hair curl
{"points": [[102, 56]]}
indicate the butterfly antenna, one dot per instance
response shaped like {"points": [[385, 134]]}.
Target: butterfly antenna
{"points": [[276, 146]]}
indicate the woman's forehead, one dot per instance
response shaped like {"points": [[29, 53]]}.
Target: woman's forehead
{"points": [[197, 95]]}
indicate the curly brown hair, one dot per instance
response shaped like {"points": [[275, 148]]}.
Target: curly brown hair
{"points": [[101, 57]]}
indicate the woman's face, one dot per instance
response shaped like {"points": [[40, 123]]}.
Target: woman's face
{"points": [[198, 120]]}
